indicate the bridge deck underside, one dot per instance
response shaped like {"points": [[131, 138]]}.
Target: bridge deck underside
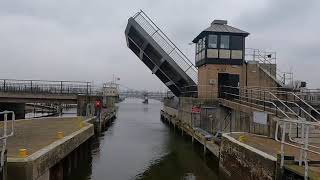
{"points": [[156, 59], [12, 97]]}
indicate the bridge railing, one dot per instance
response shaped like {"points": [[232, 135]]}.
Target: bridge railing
{"points": [[158, 95], [167, 45], [45, 87]]}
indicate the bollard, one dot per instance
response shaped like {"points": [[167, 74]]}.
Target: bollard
{"points": [[81, 124], [23, 153], [60, 135], [242, 138]]}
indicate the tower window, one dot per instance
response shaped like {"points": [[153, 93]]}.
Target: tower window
{"points": [[224, 42], [199, 45], [203, 43], [236, 43], [212, 41]]}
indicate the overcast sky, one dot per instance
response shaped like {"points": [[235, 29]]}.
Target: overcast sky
{"points": [[84, 39]]}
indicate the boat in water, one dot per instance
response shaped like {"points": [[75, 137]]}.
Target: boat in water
{"points": [[145, 101]]}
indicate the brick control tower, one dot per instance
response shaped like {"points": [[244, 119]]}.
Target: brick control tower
{"points": [[219, 56]]}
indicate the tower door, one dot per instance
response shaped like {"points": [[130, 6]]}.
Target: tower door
{"points": [[228, 85]]}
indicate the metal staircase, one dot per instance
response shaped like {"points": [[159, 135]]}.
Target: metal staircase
{"points": [[160, 54]]}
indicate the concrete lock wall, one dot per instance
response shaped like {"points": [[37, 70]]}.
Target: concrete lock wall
{"points": [[257, 77], [240, 161], [214, 117], [47, 163], [173, 112], [224, 119]]}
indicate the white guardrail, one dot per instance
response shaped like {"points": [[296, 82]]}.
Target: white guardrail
{"points": [[5, 134], [303, 144]]}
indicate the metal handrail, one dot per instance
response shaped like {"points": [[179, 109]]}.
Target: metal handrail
{"points": [[190, 69], [290, 127], [296, 94], [279, 100], [267, 92], [42, 80], [298, 117], [5, 133], [166, 36], [294, 103], [277, 108], [44, 86], [303, 145], [311, 107]]}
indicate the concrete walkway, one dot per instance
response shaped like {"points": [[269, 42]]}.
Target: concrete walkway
{"points": [[35, 134], [272, 147]]}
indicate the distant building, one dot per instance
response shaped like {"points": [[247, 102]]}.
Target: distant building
{"points": [[110, 94]]}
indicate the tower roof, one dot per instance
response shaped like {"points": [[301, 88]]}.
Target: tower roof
{"points": [[220, 26]]}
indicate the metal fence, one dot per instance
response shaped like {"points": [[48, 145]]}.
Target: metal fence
{"points": [[45, 87]]}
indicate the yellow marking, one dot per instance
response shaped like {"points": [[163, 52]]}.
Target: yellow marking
{"points": [[23, 153], [60, 135], [242, 138]]}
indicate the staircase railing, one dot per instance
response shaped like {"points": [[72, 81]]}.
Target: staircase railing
{"points": [[244, 95], [166, 44], [287, 112], [291, 98]]}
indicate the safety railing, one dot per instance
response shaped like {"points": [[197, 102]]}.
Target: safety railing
{"points": [[249, 97], [200, 91], [311, 96], [46, 87], [265, 98], [166, 44], [303, 145], [6, 133], [293, 99]]}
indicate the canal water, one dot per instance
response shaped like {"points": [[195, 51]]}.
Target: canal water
{"points": [[138, 145]]}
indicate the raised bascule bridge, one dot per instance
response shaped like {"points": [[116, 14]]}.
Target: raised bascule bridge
{"points": [[268, 121]]}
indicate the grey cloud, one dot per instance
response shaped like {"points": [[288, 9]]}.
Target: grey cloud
{"points": [[84, 40]]}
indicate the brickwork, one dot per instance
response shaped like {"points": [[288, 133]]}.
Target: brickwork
{"points": [[250, 74]]}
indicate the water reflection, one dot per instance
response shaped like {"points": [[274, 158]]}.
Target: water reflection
{"points": [[66, 112], [139, 146]]}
